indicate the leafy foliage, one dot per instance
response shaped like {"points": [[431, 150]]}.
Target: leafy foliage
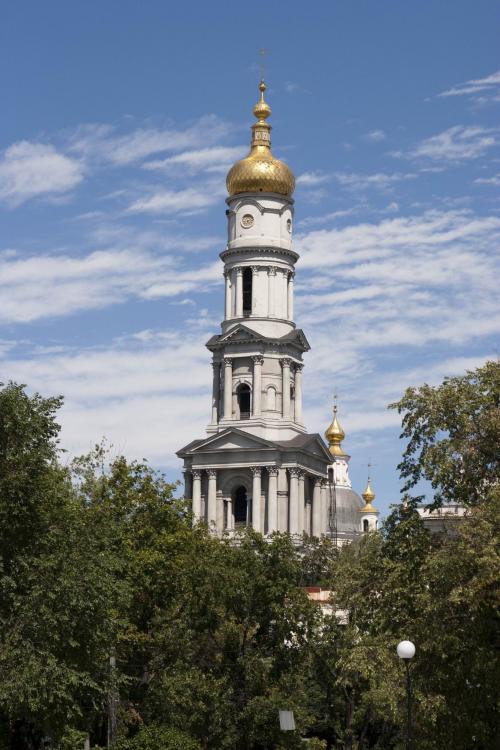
{"points": [[453, 433], [210, 639]]}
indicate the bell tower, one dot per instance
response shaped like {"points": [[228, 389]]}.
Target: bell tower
{"points": [[257, 360], [258, 465]]}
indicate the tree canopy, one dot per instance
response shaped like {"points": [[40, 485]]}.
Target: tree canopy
{"points": [[121, 622], [453, 434]]}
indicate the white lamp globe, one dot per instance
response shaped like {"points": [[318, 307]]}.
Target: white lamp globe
{"points": [[406, 650]]}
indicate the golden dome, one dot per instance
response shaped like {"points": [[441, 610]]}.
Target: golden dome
{"points": [[368, 496], [260, 171], [334, 435]]}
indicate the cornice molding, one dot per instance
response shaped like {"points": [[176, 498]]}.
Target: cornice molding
{"points": [[260, 250]]}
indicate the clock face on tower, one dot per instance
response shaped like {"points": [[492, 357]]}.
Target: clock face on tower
{"points": [[247, 221]]}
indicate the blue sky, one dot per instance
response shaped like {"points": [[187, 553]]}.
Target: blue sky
{"points": [[119, 121]]}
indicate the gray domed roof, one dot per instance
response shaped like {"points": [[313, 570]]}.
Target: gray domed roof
{"points": [[349, 503]]}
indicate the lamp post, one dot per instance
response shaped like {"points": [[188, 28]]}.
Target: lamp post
{"points": [[406, 652]]}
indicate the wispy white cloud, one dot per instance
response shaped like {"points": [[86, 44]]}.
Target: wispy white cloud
{"points": [[312, 179], [325, 218], [151, 239], [456, 144], [136, 410], [495, 180], [483, 88], [378, 180], [56, 285], [215, 159], [401, 235], [100, 142], [29, 170], [376, 136], [390, 289], [187, 201]]}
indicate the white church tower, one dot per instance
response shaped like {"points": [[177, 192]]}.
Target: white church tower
{"points": [[257, 465]]}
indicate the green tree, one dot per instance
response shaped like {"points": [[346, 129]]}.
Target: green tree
{"points": [[56, 590], [158, 738], [453, 433]]}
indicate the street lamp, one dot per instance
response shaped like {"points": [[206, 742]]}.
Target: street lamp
{"points": [[406, 652]]}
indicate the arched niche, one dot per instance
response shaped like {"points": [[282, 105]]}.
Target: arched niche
{"points": [[244, 400], [240, 506], [271, 398]]}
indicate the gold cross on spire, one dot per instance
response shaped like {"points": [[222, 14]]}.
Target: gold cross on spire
{"points": [[370, 467], [262, 53]]}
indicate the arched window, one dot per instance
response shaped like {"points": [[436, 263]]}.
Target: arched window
{"points": [[244, 394], [271, 398], [240, 507], [365, 525], [247, 292]]}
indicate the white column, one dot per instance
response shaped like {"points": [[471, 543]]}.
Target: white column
{"points": [[285, 388], [298, 393], [293, 510], [258, 361], [256, 499], [272, 500], [324, 507], [316, 509], [308, 516], [196, 506], [284, 294], [228, 311], [271, 291], [212, 497], [239, 292], [219, 512], [228, 388], [215, 391], [301, 502], [290, 295], [255, 290], [230, 518]]}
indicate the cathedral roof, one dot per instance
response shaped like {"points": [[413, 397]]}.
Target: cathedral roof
{"points": [[260, 171], [348, 506]]}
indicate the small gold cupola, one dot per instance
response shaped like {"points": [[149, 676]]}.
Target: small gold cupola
{"points": [[368, 496], [335, 434], [260, 171]]}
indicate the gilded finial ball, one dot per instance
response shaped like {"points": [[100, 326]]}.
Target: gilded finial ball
{"points": [[262, 110]]}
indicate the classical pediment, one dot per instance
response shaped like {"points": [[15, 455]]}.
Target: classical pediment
{"points": [[317, 446], [238, 335], [231, 439], [311, 444], [241, 334]]}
